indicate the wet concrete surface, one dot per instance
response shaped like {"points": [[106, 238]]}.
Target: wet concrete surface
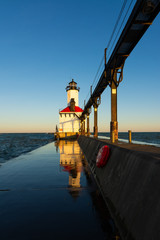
{"points": [[149, 149], [50, 194]]}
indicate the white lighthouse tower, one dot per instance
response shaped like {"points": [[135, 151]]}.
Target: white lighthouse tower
{"points": [[69, 123], [72, 92]]}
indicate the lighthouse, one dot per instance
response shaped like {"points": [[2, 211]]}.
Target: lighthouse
{"points": [[69, 123]]}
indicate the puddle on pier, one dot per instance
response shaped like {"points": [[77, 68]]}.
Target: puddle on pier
{"points": [[52, 196]]}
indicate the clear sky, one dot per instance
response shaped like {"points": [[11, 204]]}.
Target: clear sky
{"points": [[46, 43]]}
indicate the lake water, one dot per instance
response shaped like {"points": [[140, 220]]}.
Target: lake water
{"points": [[15, 144], [150, 138]]}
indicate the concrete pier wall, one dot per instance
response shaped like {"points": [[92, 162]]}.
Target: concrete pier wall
{"points": [[130, 185]]}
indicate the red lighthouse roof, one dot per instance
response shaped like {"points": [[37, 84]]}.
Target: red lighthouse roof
{"points": [[67, 110]]}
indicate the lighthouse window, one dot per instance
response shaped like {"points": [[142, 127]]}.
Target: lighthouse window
{"points": [[60, 115], [69, 115], [65, 114]]}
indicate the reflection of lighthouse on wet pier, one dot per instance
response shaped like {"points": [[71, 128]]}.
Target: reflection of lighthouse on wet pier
{"points": [[70, 160]]}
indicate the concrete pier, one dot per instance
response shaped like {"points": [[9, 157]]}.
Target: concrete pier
{"points": [[49, 194], [130, 184]]}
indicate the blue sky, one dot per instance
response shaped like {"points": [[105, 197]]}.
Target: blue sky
{"points": [[44, 44]]}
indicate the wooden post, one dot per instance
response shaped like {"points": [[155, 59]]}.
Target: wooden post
{"points": [[130, 136], [95, 119], [82, 127], [113, 137], [84, 123], [114, 123], [88, 133]]}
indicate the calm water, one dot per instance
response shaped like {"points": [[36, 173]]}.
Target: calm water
{"points": [[152, 138], [48, 194], [15, 144]]}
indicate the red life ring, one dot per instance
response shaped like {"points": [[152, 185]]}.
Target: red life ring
{"points": [[102, 156]]}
